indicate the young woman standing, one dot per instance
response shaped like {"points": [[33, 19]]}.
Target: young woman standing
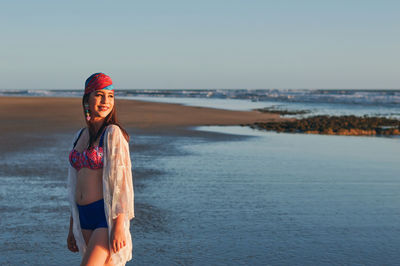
{"points": [[100, 181]]}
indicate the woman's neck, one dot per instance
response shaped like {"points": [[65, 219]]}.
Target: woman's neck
{"points": [[97, 122]]}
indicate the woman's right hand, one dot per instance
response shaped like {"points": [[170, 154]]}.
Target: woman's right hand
{"points": [[71, 243]]}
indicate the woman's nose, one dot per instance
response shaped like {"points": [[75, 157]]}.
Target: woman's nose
{"points": [[104, 99]]}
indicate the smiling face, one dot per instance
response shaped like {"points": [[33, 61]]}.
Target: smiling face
{"points": [[101, 103]]}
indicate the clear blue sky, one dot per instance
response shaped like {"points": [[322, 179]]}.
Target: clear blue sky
{"points": [[201, 44]]}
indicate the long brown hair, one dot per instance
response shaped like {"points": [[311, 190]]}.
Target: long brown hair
{"points": [[111, 119]]}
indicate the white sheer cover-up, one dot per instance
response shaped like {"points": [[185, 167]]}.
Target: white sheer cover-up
{"points": [[117, 192]]}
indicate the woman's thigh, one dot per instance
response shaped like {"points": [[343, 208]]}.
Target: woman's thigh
{"points": [[97, 252], [86, 235]]}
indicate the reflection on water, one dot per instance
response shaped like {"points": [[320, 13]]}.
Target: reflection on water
{"points": [[277, 199], [33, 221], [244, 198]]}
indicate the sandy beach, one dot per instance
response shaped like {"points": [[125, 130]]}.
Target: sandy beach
{"points": [[25, 116]]}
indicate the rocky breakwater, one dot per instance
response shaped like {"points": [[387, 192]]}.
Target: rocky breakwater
{"points": [[335, 125]]}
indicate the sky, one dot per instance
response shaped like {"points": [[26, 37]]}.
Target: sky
{"points": [[201, 44]]}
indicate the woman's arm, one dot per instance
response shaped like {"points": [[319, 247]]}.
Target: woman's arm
{"points": [[71, 222], [119, 178], [118, 239], [119, 174], [71, 243], [71, 240]]}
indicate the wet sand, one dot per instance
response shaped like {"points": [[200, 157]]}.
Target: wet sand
{"points": [[24, 117]]}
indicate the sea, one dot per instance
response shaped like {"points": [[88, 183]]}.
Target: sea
{"points": [[226, 195], [383, 103]]}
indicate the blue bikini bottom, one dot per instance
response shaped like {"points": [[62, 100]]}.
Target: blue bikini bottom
{"points": [[92, 216]]}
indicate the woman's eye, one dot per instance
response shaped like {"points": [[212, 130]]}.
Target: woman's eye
{"points": [[111, 96]]}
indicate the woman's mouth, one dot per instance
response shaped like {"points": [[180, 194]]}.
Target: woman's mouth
{"points": [[103, 108]]}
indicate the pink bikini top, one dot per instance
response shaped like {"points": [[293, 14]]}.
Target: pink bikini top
{"points": [[91, 158]]}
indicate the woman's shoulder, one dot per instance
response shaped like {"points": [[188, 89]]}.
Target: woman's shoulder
{"points": [[113, 130], [79, 132], [116, 132]]}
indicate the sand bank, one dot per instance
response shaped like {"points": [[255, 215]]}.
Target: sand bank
{"points": [[54, 114], [23, 116]]}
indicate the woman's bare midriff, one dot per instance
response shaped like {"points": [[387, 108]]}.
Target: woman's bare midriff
{"points": [[89, 183], [89, 186]]}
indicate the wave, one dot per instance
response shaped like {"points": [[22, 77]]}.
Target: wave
{"points": [[369, 97], [348, 96]]}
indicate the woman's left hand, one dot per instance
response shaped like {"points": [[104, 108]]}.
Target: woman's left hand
{"points": [[118, 240]]}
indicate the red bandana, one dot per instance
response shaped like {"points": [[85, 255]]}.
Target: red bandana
{"points": [[98, 81]]}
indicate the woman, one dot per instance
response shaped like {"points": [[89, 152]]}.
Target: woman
{"points": [[100, 181]]}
